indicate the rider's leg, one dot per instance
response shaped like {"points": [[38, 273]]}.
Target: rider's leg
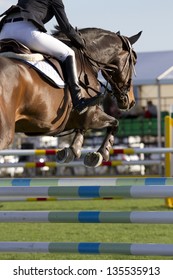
{"points": [[79, 103], [29, 35]]}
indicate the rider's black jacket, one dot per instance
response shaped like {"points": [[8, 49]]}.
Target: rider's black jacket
{"points": [[42, 11]]}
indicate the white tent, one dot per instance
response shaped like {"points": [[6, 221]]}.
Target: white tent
{"points": [[156, 69], [151, 65], [154, 80]]}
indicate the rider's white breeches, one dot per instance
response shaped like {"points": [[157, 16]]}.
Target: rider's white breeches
{"points": [[28, 34]]}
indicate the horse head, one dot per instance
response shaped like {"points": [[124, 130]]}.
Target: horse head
{"points": [[116, 59], [119, 75]]}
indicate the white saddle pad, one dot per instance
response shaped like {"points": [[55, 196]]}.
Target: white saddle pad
{"points": [[49, 71], [37, 60]]}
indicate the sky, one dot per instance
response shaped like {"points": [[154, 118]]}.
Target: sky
{"points": [[153, 17]]}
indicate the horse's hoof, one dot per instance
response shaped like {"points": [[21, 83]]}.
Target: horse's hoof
{"points": [[93, 159], [65, 155]]}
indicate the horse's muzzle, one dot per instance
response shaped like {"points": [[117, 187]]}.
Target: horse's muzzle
{"points": [[126, 99], [124, 103]]}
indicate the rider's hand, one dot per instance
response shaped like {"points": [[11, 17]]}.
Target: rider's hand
{"points": [[77, 40]]}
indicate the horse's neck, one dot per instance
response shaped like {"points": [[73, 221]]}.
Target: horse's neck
{"points": [[97, 54]]}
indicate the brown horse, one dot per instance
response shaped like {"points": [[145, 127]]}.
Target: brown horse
{"points": [[30, 104]]}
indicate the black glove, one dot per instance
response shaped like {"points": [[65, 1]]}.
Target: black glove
{"points": [[77, 40]]}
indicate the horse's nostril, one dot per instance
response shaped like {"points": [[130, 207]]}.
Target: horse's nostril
{"points": [[124, 99]]}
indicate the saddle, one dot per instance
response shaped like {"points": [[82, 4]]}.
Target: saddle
{"points": [[13, 46]]}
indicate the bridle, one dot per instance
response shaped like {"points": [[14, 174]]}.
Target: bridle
{"points": [[107, 68]]}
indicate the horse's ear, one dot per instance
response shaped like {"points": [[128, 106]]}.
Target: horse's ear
{"points": [[134, 38], [118, 33]]}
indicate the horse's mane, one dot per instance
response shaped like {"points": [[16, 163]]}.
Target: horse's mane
{"points": [[91, 34], [88, 30]]}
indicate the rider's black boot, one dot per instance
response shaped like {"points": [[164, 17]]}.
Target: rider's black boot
{"points": [[80, 104]]}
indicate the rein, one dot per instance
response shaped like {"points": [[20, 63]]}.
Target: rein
{"points": [[96, 64], [85, 84]]}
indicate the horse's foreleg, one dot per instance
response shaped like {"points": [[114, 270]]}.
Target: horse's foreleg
{"points": [[102, 120], [67, 155], [95, 159], [77, 143], [107, 144], [6, 138], [6, 130]]}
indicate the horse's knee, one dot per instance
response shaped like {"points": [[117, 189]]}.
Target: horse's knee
{"points": [[6, 137]]}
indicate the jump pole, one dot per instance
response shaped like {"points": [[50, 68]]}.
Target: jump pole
{"points": [[53, 164], [116, 151], [89, 181], [149, 191], [134, 217], [88, 248]]}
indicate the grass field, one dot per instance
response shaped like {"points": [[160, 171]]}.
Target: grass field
{"points": [[47, 232]]}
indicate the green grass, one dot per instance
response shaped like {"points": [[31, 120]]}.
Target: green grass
{"points": [[47, 232]]}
